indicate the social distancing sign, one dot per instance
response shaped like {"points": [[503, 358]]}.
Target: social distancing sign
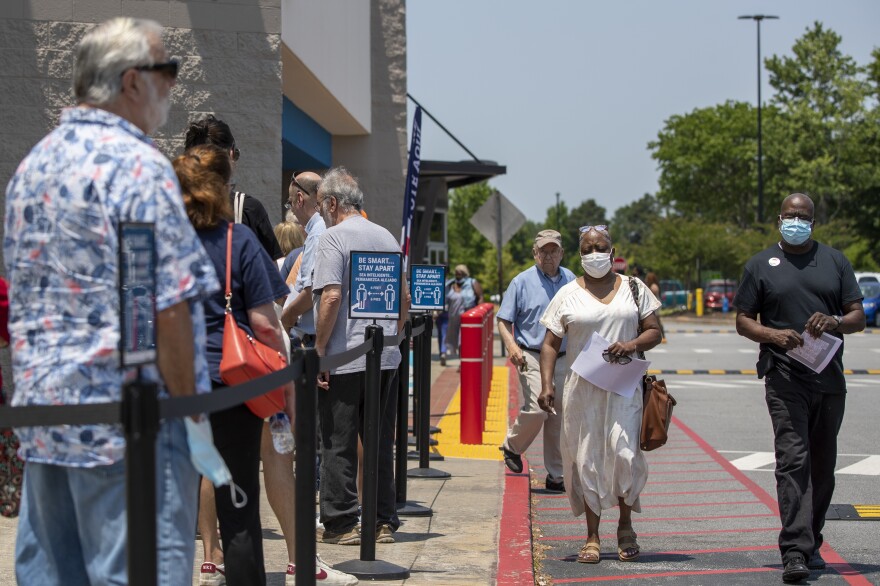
{"points": [[427, 287], [375, 285]]}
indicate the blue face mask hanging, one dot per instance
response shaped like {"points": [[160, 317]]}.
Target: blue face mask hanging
{"points": [[795, 231]]}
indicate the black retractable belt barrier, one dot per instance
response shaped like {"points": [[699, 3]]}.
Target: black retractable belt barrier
{"points": [[140, 421], [367, 567], [404, 508], [306, 414], [422, 382], [423, 370]]}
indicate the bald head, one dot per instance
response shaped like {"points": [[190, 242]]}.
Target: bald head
{"points": [[309, 181], [799, 200]]}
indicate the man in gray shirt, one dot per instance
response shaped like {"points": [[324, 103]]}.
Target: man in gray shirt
{"points": [[341, 394]]}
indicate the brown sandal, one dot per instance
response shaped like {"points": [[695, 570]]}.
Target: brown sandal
{"points": [[589, 553], [626, 539]]}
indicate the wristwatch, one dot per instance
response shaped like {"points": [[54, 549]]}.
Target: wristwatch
{"points": [[838, 319]]}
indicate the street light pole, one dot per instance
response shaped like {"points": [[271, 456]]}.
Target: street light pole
{"points": [[758, 18], [557, 212]]}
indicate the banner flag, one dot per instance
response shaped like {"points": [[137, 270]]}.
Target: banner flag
{"points": [[412, 185]]}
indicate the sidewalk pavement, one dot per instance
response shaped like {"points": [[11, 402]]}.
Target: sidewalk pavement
{"points": [[459, 545]]}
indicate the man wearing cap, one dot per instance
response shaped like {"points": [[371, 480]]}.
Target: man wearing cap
{"points": [[523, 305]]}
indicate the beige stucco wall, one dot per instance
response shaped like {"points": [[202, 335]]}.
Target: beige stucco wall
{"points": [[379, 159]]}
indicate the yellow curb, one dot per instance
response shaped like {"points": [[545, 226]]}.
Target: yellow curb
{"points": [[449, 442]]}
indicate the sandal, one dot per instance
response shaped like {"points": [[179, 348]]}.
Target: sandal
{"points": [[589, 553], [626, 540]]}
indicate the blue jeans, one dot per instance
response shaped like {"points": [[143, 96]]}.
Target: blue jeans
{"points": [[72, 528]]}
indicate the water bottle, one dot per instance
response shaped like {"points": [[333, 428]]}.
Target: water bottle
{"points": [[282, 437]]}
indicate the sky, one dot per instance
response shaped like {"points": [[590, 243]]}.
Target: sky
{"points": [[568, 94]]}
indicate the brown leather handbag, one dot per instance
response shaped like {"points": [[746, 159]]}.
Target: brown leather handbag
{"points": [[657, 403], [245, 358]]}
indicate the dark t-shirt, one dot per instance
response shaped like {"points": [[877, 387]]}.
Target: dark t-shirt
{"points": [[784, 290], [254, 216], [255, 281]]}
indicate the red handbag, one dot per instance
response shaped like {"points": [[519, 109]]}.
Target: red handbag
{"points": [[245, 358]]}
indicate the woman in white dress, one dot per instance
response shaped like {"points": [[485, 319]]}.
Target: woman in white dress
{"points": [[602, 462]]}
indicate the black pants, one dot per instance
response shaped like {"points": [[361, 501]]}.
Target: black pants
{"points": [[237, 437], [805, 426], [341, 415]]}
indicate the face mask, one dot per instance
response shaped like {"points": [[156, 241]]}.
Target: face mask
{"points": [[596, 264], [459, 281], [795, 231], [207, 460]]}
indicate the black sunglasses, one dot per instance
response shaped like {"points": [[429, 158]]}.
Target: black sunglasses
{"points": [[236, 153], [616, 358], [168, 68], [299, 187]]}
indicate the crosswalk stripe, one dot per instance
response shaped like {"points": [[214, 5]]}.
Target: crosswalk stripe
{"points": [[870, 466], [754, 461], [703, 350]]}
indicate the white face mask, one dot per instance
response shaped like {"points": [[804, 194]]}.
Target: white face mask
{"points": [[596, 264]]}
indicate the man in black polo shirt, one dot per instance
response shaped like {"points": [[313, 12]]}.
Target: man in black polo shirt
{"points": [[799, 288]]}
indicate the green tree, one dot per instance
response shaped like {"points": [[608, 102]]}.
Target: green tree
{"points": [[707, 162], [466, 245]]}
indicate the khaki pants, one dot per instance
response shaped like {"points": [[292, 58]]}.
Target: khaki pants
{"points": [[531, 419]]}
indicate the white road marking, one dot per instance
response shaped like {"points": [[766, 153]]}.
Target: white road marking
{"points": [[658, 350], [875, 350], [746, 350], [703, 350], [870, 466], [754, 461]]}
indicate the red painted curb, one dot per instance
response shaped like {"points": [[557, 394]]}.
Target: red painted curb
{"points": [[841, 566], [515, 533]]}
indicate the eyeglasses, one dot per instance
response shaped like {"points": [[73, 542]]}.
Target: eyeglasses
{"points": [[796, 217], [319, 203], [600, 228], [546, 253], [236, 153], [168, 68], [616, 358]]}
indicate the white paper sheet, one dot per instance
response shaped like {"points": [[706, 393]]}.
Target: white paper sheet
{"points": [[621, 379], [816, 353]]}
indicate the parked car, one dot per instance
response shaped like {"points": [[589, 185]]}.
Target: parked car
{"points": [[716, 291], [868, 277], [673, 294], [871, 302]]}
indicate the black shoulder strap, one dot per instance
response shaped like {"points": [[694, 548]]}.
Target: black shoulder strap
{"points": [[635, 293]]}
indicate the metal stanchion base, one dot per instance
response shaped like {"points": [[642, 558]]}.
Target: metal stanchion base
{"points": [[432, 456], [412, 441], [374, 570], [432, 473], [410, 509], [433, 429]]}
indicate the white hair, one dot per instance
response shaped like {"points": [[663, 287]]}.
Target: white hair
{"points": [[106, 52], [339, 183]]}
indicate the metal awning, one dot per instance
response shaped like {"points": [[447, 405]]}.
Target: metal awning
{"points": [[461, 173]]}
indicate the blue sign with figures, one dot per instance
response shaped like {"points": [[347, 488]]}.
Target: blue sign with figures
{"points": [[137, 293], [375, 285], [427, 287]]}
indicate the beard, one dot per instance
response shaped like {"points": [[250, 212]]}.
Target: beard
{"points": [[159, 107], [325, 215]]}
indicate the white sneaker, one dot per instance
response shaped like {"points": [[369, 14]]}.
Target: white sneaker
{"points": [[212, 574], [324, 574]]}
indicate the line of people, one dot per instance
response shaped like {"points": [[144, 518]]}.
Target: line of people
{"points": [[97, 170], [794, 291]]}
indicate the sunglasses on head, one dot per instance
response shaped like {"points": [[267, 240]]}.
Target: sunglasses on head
{"points": [[168, 68], [298, 186], [600, 228]]}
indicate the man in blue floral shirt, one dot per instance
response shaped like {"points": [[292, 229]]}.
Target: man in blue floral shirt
{"points": [[64, 205]]}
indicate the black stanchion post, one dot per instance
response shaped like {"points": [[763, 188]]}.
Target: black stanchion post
{"points": [[306, 416], [140, 421], [421, 384], [418, 343], [368, 568], [404, 508], [423, 368]]}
